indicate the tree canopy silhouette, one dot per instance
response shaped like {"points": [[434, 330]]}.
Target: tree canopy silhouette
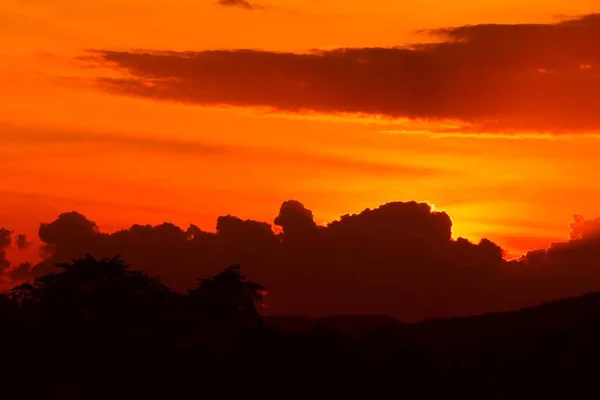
{"points": [[227, 295], [94, 290]]}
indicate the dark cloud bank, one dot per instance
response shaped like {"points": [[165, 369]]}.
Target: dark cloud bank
{"points": [[398, 259], [539, 77]]}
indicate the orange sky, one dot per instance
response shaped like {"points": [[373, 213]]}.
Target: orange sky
{"points": [[66, 145]]}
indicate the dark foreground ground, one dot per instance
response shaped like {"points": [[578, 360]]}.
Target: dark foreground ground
{"points": [[550, 351]]}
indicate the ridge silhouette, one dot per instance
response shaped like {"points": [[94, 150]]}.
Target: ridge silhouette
{"points": [[98, 328]]}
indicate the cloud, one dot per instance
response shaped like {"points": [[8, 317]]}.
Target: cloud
{"points": [[22, 242], [21, 272], [582, 228], [240, 3], [564, 269], [70, 228], [5, 238], [5, 242], [493, 78], [398, 259], [29, 136]]}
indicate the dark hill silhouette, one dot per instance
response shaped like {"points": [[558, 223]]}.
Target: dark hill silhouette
{"points": [[100, 329], [352, 325]]}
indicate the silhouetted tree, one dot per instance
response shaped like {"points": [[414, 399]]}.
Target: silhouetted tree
{"points": [[96, 290], [23, 293], [228, 296], [6, 307]]}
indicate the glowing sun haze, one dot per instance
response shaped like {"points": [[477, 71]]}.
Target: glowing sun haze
{"points": [[121, 111]]}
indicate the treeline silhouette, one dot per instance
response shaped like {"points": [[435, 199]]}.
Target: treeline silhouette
{"points": [[98, 329], [399, 259]]}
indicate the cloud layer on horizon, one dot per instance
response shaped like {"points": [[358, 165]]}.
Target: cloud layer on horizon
{"points": [[525, 77], [398, 259]]}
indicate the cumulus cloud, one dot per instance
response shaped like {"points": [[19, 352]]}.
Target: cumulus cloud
{"points": [[584, 228], [564, 269], [5, 242], [5, 238], [22, 242], [70, 234], [398, 259], [21, 272], [534, 77]]}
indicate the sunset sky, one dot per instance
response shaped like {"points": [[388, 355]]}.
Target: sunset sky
{"points": [[116, 110]]}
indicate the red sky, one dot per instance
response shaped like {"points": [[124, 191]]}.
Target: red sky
{"points": [[506, 140]]}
